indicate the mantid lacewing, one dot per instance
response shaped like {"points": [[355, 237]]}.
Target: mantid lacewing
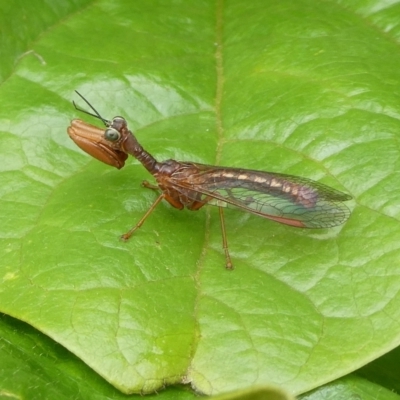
{"points": [[288, 199]]}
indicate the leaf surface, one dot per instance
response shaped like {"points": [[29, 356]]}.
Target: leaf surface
{"points": [[303, 88]]}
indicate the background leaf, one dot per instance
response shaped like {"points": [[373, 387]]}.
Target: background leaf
{"points": [[305, 88], [351, 387]]}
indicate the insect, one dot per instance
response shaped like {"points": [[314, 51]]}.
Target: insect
{"points": [[287, 199]]}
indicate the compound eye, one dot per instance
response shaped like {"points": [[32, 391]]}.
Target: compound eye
{"points": [[118, 123], [119, 120], [111, 134]]}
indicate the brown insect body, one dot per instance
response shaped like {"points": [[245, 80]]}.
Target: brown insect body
{"points": [[287, 199]]}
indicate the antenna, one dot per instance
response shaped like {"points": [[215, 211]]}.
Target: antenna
{"points": [[106, 122]]}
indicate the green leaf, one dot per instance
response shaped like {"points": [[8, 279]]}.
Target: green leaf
{"points": [[351, 387], [306, 88], [35, 367], [384, 371]]}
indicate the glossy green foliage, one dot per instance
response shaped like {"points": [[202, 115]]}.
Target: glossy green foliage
{"points": [[298, 87]]}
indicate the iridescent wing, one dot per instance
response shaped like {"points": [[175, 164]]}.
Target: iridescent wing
{"points": [[287, 199]]}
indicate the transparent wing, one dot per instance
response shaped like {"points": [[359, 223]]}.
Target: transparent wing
{"points": [[287, 199]]}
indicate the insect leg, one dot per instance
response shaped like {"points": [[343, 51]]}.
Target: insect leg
{"points": [[128, 234], [148, 185], [229, 264]]}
